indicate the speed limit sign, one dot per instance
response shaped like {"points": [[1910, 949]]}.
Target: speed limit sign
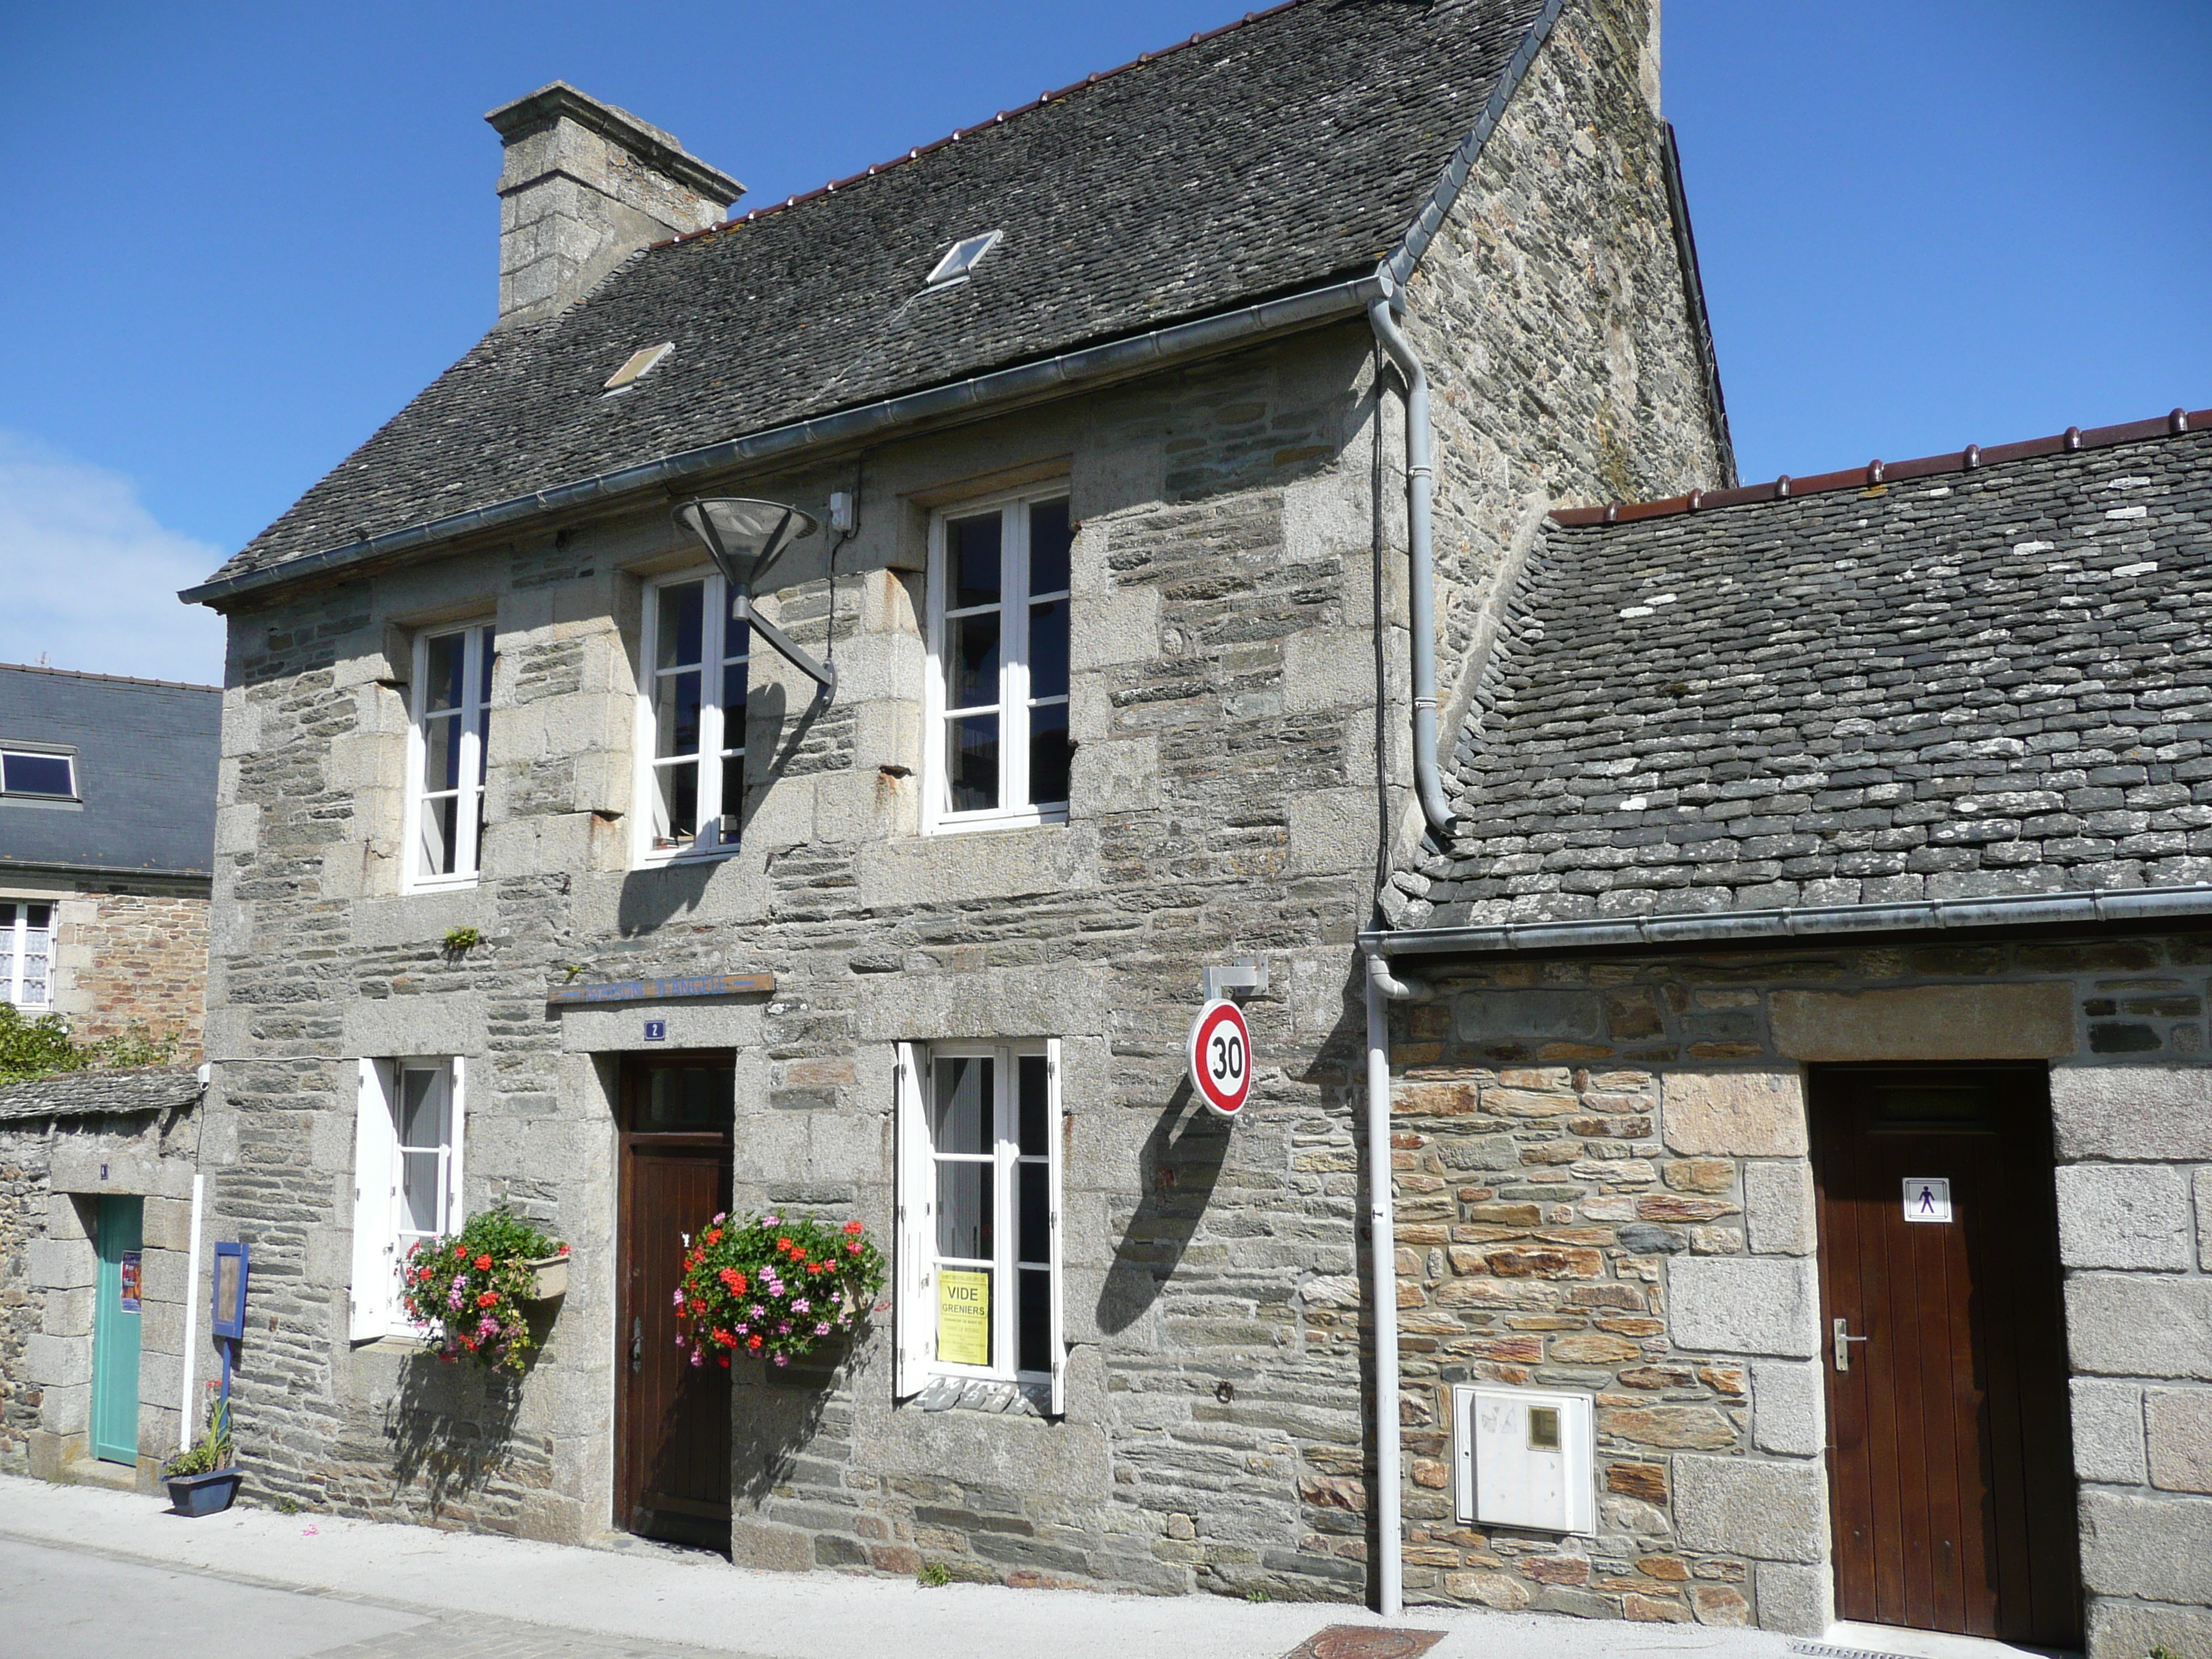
{"points": [[1221, 1058]]}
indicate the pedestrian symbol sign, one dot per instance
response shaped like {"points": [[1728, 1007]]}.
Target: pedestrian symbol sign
{"points": [[1927, 1198]]}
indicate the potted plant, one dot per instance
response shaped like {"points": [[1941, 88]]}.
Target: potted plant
{"points": [[467, 1289], [204, 1479], [774, 1287]]}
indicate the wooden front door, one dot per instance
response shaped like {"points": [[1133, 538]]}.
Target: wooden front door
{"points": [[115, 1318], [672, 1418], [1950, 1454]]}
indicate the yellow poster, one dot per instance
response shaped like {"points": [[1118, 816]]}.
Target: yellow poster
{"points": [[964, 1317]]}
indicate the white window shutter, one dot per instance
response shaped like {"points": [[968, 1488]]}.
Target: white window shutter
{"points": [[375, 1142], [456, 1212], [1055, 1176], [914, 1315]]}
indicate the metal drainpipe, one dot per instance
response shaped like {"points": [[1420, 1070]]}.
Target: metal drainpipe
{"points": [[1382, 1234], [1420, 492]]}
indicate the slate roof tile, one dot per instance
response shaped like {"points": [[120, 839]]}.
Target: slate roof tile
{"points": [[1953, 687], [1281, 155]]}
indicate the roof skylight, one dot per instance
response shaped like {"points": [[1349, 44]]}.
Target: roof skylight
{"points": [[963, 257], [638, 365]]}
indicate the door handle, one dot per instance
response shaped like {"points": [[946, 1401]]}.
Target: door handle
{"points": [[637, 1344], [1843, 1339]]}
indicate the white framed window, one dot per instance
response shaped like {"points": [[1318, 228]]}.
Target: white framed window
{"points": [[691, 721], [979, 1216], [446, 755], [37, 774], [997, 692], [26, 954], [407, 1179]]}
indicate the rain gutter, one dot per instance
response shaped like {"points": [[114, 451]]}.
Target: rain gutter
{"points": [[2128, 905], [969, 398]]}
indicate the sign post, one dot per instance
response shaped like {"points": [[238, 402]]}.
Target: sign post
{"points": [[1220, 1051]]}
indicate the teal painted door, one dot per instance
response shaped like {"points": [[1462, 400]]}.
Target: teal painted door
{"points": [[115, 1331]]}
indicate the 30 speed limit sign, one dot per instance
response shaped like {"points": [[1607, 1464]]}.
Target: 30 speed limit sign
{"points": [[1221, 1058]]}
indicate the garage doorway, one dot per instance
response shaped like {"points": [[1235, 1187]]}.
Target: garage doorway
{"points": [[672, 1418], [1950, 1453]]}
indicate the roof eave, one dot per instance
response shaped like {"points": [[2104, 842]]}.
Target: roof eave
{"points": [[953, 402]]}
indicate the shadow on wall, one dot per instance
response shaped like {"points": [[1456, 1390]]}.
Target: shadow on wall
{"points": [[449, 1424], [779, 1416], [1180, 1163]]}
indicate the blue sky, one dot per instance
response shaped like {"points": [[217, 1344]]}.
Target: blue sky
{"points": [[235, 238]]}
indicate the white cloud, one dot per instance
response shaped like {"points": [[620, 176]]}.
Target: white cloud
{"points": [[89, 577]]}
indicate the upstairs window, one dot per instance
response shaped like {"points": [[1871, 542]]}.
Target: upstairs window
{"points": [[26, 954], [963, 257], [691, 716], [39, 776], [446, 769], [999, 748]]}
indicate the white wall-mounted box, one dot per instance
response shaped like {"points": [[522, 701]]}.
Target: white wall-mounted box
{"points": [[1524, 1457]]}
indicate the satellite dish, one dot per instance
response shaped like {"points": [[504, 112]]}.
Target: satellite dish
{"points": [[745, 537]]}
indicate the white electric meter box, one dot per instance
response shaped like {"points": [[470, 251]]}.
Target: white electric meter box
{"points": [[1524, 1457]]}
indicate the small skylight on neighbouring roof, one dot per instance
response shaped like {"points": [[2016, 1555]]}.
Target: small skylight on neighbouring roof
{"points": [[51, 776], [640, 364], [963, 257]]}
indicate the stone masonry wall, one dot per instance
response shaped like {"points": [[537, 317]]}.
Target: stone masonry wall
{"points": [[136, 958], [23, 1157], [1604, 1184], [1225, 804]]}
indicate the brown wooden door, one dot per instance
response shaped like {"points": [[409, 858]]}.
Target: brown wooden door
{"points": [[672, 1418], [1950, 1459]]}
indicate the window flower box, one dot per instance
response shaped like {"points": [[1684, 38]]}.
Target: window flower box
{"points": [[548, 1279]]}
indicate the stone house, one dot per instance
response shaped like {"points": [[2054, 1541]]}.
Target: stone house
{"points": [[538, 885], [1806, 1073], [107, 844]]}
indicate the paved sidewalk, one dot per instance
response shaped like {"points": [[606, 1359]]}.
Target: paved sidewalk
{"points": [[86, 1571]]}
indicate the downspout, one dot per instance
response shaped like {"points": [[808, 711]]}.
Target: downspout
{"points": [[186, 1416], [1382, 1235], [1421, 600]]}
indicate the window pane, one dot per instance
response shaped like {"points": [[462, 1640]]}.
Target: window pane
{"points": [[441, 821], [676, 714], [35, 775], [445, 665], [1049, 752], [971, 661], [441, 753], [39, 916], [964, 1092], [737, 636], [1049, 540], [677, 631], [734, 703], [422, 1110], [419, 1191], [689, 1097], [1030, 1083], [1033, 1238], [679, 800], [483, 670], [1034, 1345], [975, 746], [972, 546], [1049, 649], [732, 801], [964, 1209]]}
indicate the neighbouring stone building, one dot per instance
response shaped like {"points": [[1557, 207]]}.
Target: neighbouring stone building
{"points": [[539, 885], [107, 789], [1819, 841]]}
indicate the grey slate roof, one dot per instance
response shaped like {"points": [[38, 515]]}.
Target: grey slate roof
{"points": [[1281, 154], [147, 752], [98, 1093], [1980, 683]]}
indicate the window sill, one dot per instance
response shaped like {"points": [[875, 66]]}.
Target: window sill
{"points": [[440, 885], [974, 1394], [665, 861], [1053, 818]]}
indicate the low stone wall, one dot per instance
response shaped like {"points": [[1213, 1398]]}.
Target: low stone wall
{"points": [[23, 1157]]}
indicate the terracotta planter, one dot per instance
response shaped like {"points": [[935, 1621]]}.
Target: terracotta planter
{"points": [[204, 1494], [551, 1275]]}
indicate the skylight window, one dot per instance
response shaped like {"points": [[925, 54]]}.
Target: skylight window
{"points": [[46, 776], [638, 366], [964, 257]]}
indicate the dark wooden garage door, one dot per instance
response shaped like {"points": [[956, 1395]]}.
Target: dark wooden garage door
{"points": [[672, 1422], [1951, 1464]]}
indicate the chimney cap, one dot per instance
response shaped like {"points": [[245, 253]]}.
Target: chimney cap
{"points": [[661, 150]]}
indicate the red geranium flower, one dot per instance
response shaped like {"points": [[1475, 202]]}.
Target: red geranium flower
{"points": [[853, 1227], [487, 1298], [483, 1264]]}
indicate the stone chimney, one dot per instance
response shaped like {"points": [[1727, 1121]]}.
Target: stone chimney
{"points": [[585, 186]]}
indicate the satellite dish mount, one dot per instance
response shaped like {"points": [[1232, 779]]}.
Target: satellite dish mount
{"points": [[743, 537]]}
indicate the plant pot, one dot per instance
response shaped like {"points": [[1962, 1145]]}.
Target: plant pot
{"points": [[551, 1274], [204, 1494]]}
